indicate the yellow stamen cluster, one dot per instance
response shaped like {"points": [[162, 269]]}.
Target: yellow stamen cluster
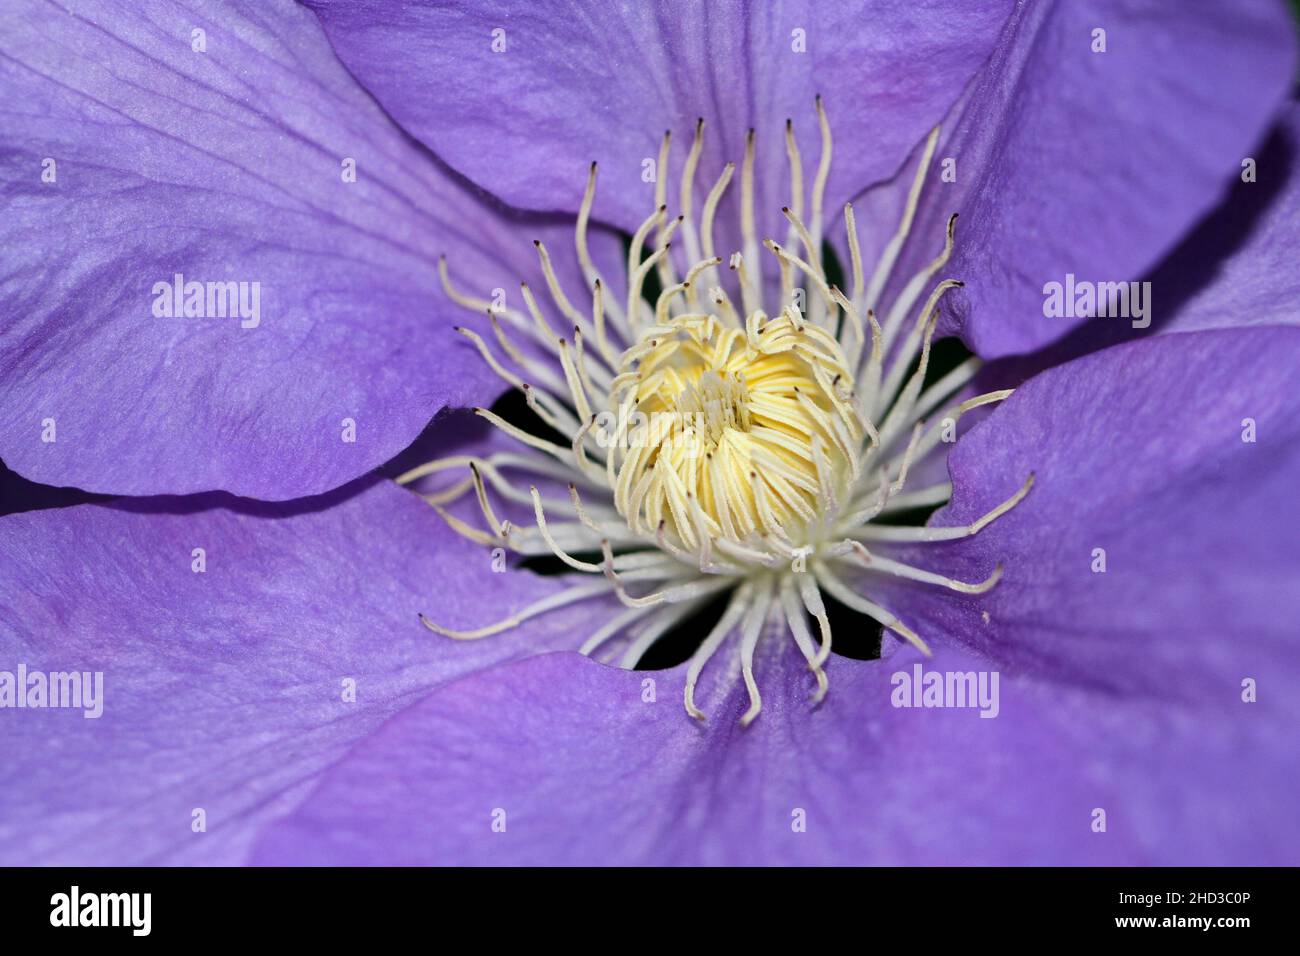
{"points": [[726, 433]]}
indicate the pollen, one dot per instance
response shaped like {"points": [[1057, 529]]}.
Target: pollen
{"points": [[732, 433], [738, 435]]}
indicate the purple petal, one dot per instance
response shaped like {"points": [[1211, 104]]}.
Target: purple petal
{"points": [[225, 690], [567, 88], [1095, 164], [225, 164], [582, 769], [1232, 271], [1253, 280], [1171, 464]]}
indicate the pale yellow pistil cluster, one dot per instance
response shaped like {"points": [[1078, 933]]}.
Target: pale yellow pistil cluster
{"points": [[726, 434], [715, 445]]}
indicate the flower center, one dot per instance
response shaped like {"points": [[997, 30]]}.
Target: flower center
{"points": [[724, 433], [718, 447]]}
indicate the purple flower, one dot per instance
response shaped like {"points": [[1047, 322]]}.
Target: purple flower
{"points": [[226, 227]]}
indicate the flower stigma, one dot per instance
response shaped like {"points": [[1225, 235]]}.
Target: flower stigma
{"points": [[714, 446]]}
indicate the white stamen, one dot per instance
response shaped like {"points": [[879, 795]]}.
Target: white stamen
{"points": [[794, 616], [877, 563], [900, 533], [838, 590], [572, 595], [895, 245], [720, 632], [750, 630]]}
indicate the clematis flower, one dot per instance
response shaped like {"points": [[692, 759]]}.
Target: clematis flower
{"points": [[1112, 555]]}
